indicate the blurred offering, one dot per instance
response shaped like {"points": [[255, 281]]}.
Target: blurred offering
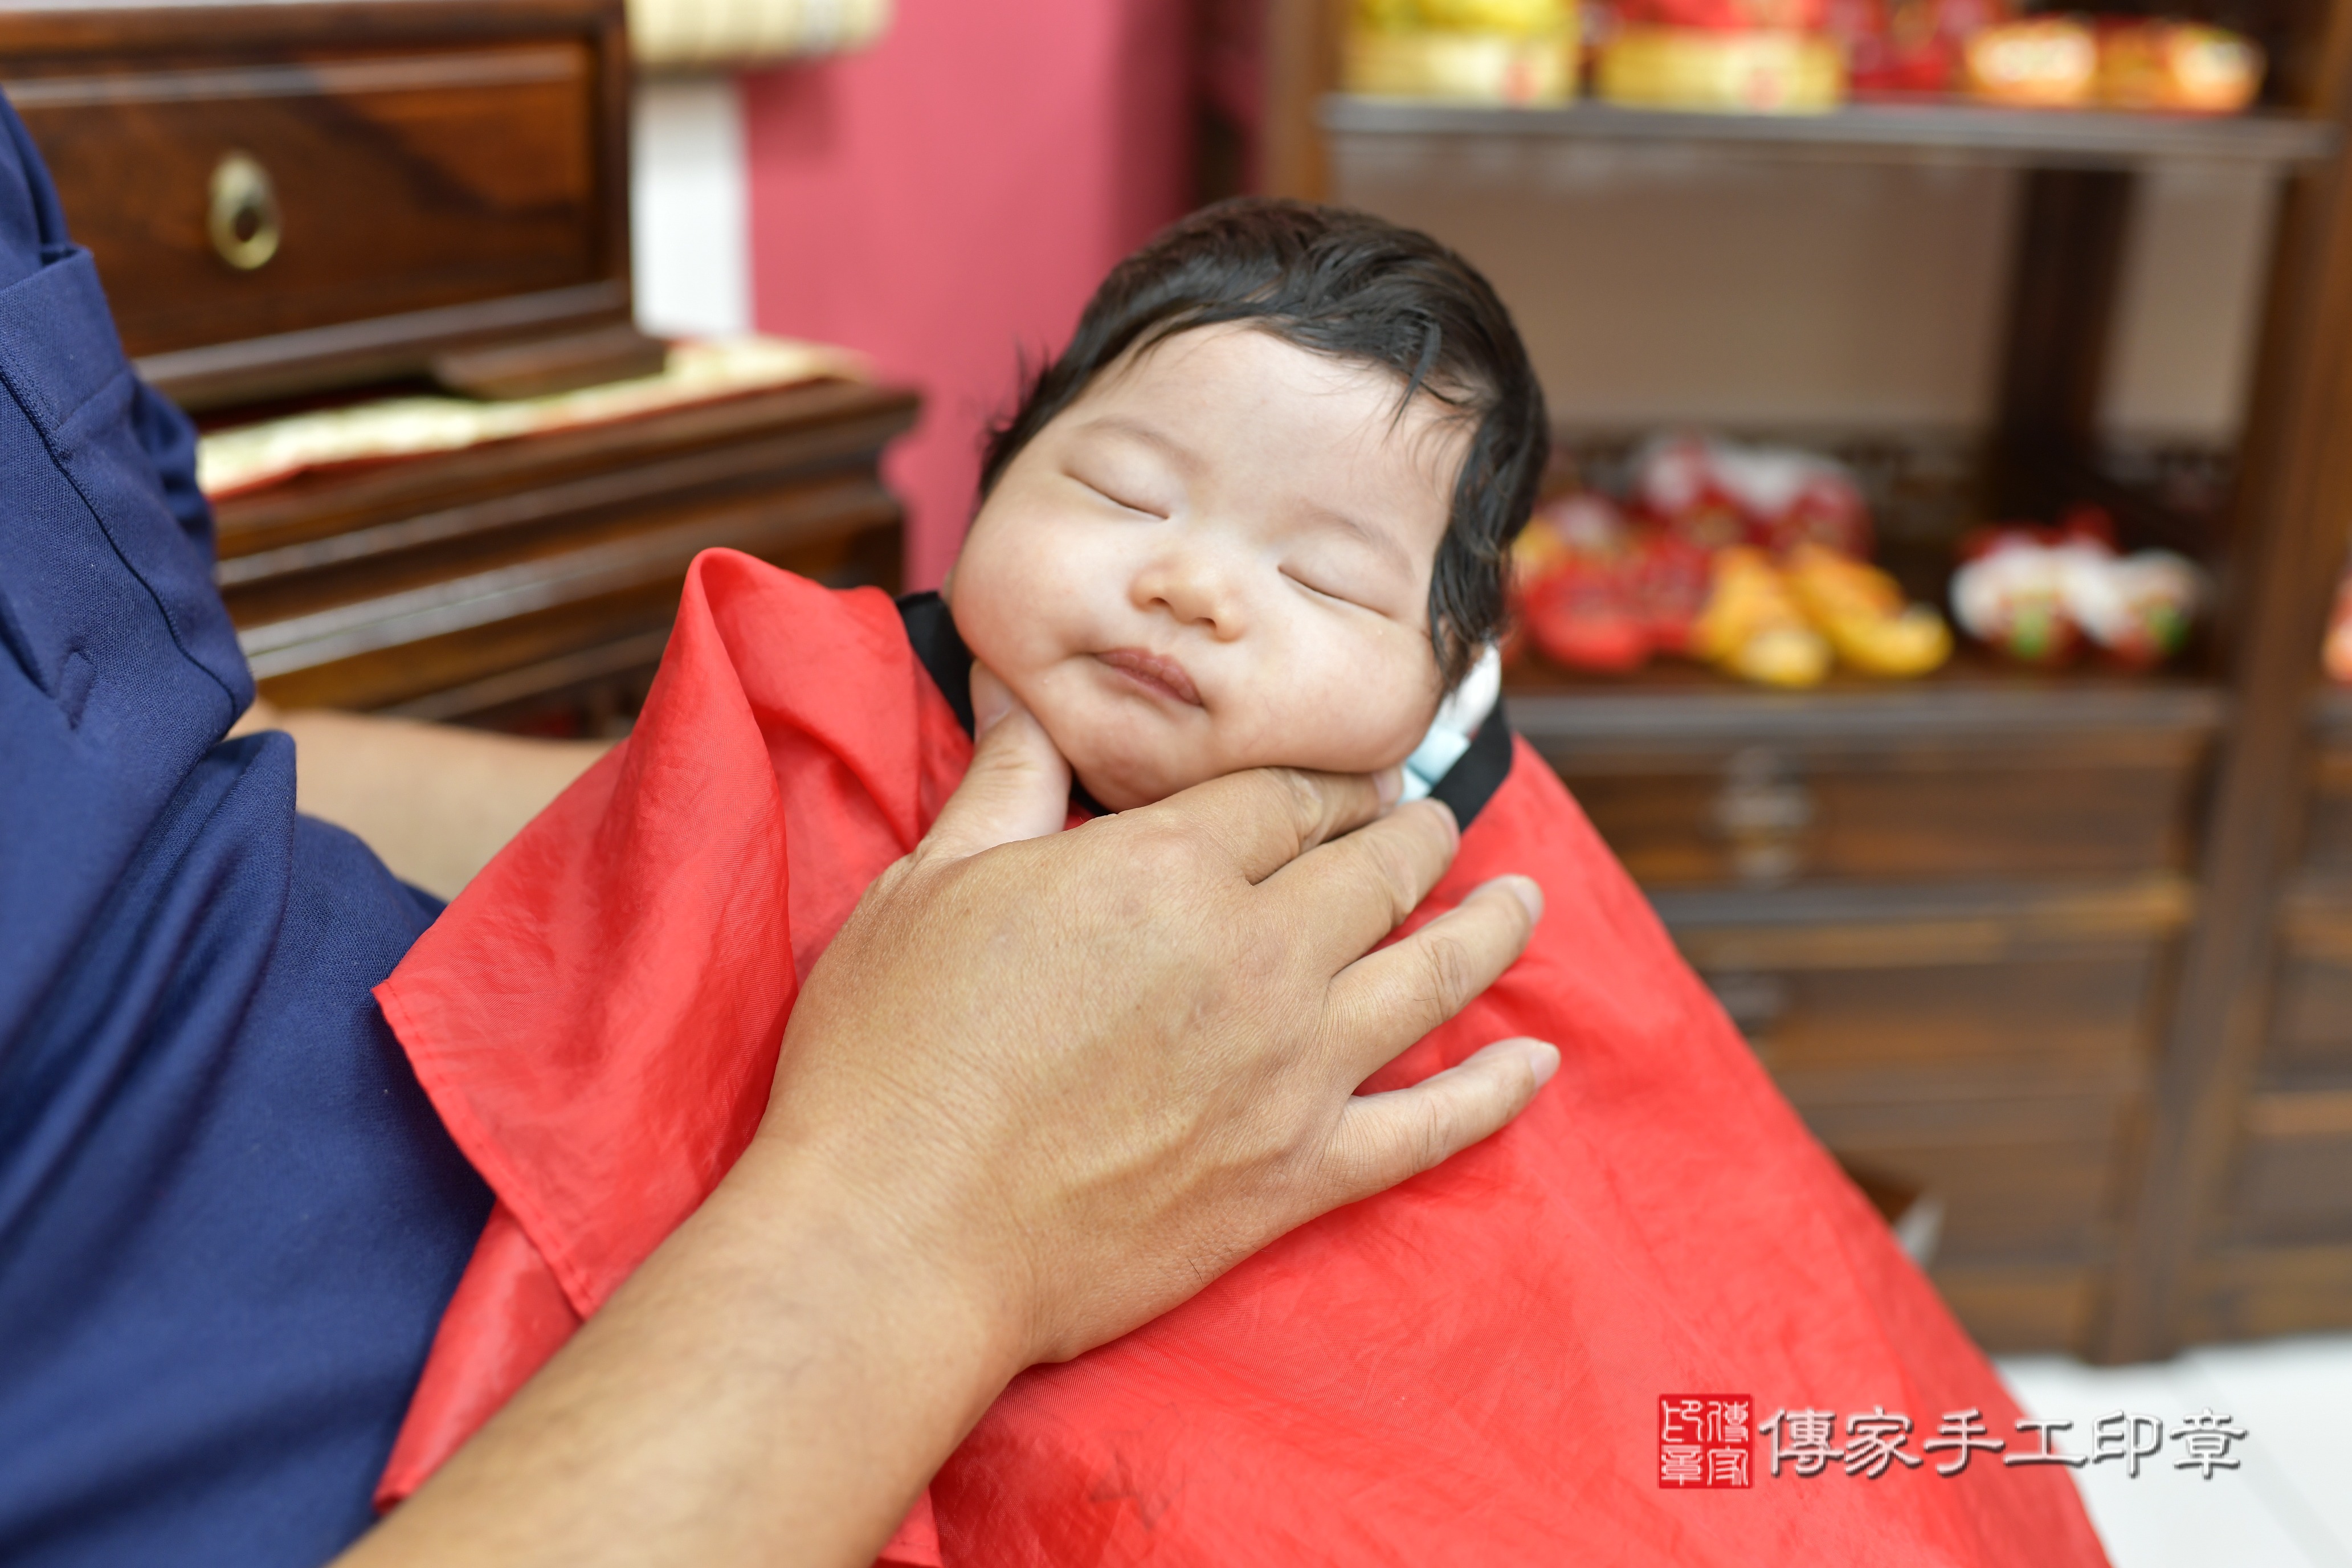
{"points": [[2040, 594], [1515, 52], [2335, 653], [2042, 62], [1783, 56], [1864, 615], [1735, 73], [1751, 558], [1716, 492], [1908, 46], [1748, 57], [2184, 67], [2072, 62], [693, 33], [1599, 594], [1754, 628]]}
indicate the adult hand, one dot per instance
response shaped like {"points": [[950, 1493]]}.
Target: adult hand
{"points": [[1127, 1055], [1041, 1087]]}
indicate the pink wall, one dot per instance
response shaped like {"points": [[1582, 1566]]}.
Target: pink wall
{"points": [[946, 202]]}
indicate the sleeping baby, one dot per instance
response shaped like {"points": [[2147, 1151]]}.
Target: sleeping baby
{"points": [[1259, 513], [1256, 512]]}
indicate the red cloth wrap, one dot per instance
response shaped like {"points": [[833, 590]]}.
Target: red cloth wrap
{"points": [[1465, 1370]]}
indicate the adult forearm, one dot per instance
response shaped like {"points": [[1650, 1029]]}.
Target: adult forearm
{"points": [[775, 1384], [435, 801]]}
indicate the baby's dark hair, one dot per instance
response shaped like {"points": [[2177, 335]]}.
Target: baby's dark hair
{"points": [[1356, 288]]}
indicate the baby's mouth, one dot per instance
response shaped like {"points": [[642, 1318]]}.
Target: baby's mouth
{"points": [[1162, 676]]}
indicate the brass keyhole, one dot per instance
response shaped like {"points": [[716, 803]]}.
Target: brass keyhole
{"points": [[243, 222]]}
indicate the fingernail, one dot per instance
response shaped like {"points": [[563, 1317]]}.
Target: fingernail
{"points": [[987, 715], [1543, 1060], [991, 701], [1523, 889], [1390, 782]]}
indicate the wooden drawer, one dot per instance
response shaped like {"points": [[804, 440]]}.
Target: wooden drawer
{"points": [[2021, 1306], [270, 213], [2240, 1292], [2311, 999], [2293, 1176], [461, 584], [1990, 1044], [2021, 1177], [1974, 780], [2327, 825]]}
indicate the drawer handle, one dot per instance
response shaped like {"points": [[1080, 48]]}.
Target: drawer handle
{"points": [[1762, 813], [244, 223], [1756, 1003]]}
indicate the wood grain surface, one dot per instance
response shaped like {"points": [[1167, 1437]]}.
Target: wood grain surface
{"points": [[437, 177]]}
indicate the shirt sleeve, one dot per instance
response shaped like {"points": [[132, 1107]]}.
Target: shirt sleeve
{"points": [[230, 1220]]}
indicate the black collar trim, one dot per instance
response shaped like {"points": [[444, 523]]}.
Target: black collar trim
{"points": [[1465, 789], [931, 631]]}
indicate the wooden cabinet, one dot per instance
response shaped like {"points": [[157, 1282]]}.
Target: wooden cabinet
{"points": [[303, 203], [524, 576], [2281, 1257], [1976, 774], [281, 198], [1946, 916], [2073, 952]]}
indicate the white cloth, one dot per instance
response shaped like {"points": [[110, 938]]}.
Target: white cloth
{"points": [[1458, 717]]}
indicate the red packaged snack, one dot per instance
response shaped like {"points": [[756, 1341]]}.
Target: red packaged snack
{"points": [[1726, 16], [1717, 493], [1595, 594], [1903, 47]]}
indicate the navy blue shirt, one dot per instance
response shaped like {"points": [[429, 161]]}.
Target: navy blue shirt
{"points": [[229, 1219]]}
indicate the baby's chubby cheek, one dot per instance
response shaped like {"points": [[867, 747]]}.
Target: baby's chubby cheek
{"points": [[1355, 714]]}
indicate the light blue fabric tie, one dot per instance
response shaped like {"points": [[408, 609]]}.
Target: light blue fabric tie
{"points": [[1458, 717]]}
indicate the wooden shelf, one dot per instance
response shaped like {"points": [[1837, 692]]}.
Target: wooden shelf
{"points": [[1678, 702], [1925, 132], [1901, 888]]}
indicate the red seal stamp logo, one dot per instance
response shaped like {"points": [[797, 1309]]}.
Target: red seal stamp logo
{"points": [[1704, 1440]]}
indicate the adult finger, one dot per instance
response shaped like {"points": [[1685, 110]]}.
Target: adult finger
{"points": [[1018, 785], [1265, 818], [1383, 1139], [1348, 895], [1385, 1000]]}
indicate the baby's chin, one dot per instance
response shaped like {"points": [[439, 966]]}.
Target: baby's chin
{"points": [[1127, 755], [1122, 783], [1128, 777]]}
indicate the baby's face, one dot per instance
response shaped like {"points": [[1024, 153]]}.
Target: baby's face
{"points": [[1217, 558]]}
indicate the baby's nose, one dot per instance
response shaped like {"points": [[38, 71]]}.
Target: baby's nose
{"points": [[1194, 587]]}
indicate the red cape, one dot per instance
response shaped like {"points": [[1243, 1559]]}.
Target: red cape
{"points": [[1464, 1370]]}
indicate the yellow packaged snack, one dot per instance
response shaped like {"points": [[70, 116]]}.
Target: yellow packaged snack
{"points": [[1461, 67], [2182, 67], [1724, 72], [1753, 627], [1863, 612], [2046, 62]]}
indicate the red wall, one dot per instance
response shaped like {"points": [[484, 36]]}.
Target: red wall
{"points": [[946, 201]]}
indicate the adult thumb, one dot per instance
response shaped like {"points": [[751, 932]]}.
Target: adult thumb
{"points": [[1018, 785]]}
